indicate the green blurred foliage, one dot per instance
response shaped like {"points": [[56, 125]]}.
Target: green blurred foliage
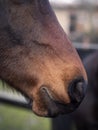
{"points": [[12, 118]]}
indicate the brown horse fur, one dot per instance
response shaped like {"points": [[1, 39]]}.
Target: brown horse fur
{"points": [[36, 56]]}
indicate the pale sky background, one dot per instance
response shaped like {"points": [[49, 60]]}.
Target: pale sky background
{"points": [[62, 1], [71, 1]]}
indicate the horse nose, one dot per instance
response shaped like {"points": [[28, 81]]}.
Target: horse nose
{"points": [[77, 90]]}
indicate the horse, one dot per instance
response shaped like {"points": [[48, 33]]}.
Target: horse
{"points": [[38, 59]]}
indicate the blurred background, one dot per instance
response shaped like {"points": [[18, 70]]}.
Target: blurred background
{"points": [[79, 19]]}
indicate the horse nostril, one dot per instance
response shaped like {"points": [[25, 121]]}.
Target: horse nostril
{"points": [[77, 90]]}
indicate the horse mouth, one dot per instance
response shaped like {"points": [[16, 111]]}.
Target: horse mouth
{"points": [[54, 107]]}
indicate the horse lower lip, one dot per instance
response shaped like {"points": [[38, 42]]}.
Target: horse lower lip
{"points": [[66, 108]]}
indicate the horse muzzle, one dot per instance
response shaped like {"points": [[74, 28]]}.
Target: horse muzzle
{"points": [[76, 92]]}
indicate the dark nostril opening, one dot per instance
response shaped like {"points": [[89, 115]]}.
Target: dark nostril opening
{"points": [[77, 90]]}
